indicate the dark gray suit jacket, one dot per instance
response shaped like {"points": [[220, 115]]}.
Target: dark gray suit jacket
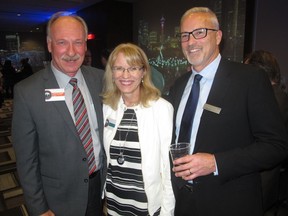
{"points": [[245, 137], [49, 154]]}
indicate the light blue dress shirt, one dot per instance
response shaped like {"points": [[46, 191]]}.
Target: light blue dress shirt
{"points": [[208, 74]]}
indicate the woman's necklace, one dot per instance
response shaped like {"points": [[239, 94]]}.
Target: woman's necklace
{"points": [[121, 158]]}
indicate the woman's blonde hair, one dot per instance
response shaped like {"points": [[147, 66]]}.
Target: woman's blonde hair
{"points": [[135, 56]]}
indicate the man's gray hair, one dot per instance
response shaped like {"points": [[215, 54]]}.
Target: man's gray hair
{"points": [[65, 14], [193, 10]]}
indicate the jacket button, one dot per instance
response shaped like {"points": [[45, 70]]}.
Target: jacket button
{"points": [[84, 159], [86, 180]]}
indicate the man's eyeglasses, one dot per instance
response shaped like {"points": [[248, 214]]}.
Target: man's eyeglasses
{"points": [[132, 70], [196, 33]]}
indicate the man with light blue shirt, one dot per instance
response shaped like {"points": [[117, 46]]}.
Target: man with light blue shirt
{"points": [[57, 127], [234, 133]]}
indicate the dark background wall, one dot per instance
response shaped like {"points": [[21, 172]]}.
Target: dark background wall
{"points": [[111, 22], [271, 31]]}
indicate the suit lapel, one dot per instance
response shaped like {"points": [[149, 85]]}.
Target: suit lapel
{"points": [[50, 82], [217, 94], [95, 87], [182, 82], [220, 85]]}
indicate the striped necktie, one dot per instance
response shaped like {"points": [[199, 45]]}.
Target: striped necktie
{"points": [[82, 124]]}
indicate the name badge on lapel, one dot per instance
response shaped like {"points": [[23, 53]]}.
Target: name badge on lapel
{"points": [[54, 95], [109, 123], [212, 108]]}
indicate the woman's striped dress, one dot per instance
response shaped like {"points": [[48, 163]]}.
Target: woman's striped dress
{"points": [[125, 187]]}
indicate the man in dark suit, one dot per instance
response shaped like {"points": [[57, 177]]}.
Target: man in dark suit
{"points": [[236, 131], [57, 176]]}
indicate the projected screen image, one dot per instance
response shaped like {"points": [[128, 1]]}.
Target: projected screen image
{"points": [[158, 24]]}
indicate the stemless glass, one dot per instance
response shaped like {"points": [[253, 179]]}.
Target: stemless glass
{"points": [[180, 149]]}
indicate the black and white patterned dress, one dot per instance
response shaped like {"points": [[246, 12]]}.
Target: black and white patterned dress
{"points": [[125, 188]]}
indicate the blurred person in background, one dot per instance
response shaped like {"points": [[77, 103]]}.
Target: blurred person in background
{"points": [[25, 70], [104, 57], [9, 74], [274, 181], [88, 58]]}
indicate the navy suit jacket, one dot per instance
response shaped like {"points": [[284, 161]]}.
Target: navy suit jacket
{"points": [[245, 137], [50, 157]]}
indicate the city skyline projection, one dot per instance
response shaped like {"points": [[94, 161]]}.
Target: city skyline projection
{"points": [[156, 33]]}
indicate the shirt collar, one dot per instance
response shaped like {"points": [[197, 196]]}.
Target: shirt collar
{"points": [[63, 79], [210, 70]]}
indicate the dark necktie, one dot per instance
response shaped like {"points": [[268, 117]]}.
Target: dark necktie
{"points": [[82, 124], [189, 112]]}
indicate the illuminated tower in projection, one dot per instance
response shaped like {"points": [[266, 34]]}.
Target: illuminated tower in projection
{"points": [[162, 23]]}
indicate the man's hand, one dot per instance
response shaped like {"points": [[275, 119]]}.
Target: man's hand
{"points": [[191, 166]]}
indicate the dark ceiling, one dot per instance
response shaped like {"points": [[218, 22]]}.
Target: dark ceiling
{"points": [[27, 15]]}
